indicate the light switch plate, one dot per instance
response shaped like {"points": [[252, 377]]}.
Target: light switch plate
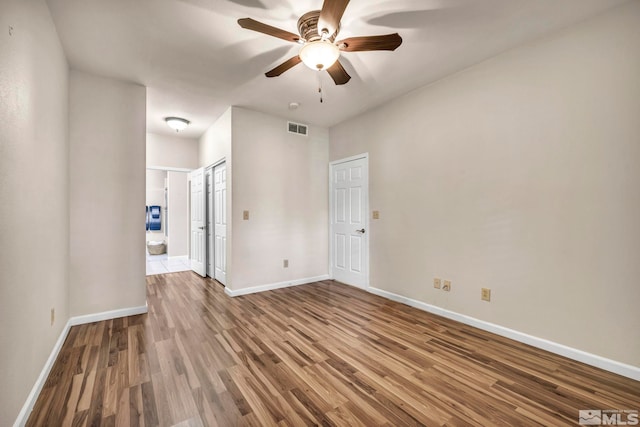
{"points": [[376, 214], [436, 283], [245, 215], [447, 285]]}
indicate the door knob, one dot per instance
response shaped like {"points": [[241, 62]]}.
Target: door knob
{"points": [[361, 230]]}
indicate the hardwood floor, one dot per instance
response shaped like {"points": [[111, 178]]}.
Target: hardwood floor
{"points": [[319, 354]]}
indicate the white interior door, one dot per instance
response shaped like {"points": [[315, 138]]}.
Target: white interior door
{"points": [[198, 222], [220, 219], [349, 221], [210, 228]]}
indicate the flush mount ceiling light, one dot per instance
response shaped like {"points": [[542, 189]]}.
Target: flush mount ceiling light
{"points": [[319, 55], [176, 123]]}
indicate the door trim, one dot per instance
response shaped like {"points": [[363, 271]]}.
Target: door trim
{"points": [[364, 156], [216, 163], [169, 169]]}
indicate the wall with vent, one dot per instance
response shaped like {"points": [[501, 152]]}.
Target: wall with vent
{"points": [[282, 180]]}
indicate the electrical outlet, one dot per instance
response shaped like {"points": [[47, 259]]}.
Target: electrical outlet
{"points": [[436, 283], [447, 285], [376, 214], [245, 215], [486, 294], [285, 263], [53, 316]]}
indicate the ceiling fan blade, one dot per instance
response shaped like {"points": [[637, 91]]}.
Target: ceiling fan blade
{"points": [[338, 73], [330, 15], [290, 63], [252, 24], [360, 44]]}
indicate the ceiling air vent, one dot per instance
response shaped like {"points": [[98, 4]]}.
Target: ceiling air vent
{"points": [[297, 128]]}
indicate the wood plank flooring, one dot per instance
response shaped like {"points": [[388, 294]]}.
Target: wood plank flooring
{"points": [[320, 354]]}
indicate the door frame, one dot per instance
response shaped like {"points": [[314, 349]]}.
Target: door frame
{"points": [[188, 172], [364, 156]]}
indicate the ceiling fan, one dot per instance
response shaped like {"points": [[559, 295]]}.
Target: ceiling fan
{"points": [[318, 31]]}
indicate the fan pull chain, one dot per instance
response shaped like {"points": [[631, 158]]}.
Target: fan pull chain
{"points": [[320, 87]]}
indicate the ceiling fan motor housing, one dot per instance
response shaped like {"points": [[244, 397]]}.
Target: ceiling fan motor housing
{"points": [[308, 27]]}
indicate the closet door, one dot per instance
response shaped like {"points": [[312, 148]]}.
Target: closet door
{"points": [[198, 222], [210, 224], [220, 221]]}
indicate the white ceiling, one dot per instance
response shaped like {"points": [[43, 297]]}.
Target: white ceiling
{"points": [[196, 61]]}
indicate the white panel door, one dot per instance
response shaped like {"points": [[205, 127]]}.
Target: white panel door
{"points": [[210, 228], [349, 207], [220, 219], [198, 222]]}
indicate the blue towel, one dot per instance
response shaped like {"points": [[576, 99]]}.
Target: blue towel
{"points": [[154, 218]]}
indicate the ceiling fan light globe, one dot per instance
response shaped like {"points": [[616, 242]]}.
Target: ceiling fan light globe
{"points": [[319, 55]]}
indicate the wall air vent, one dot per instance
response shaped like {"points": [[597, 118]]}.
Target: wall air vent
{"points": [[298, 128]]}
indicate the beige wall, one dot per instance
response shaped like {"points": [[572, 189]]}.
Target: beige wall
{"points": [[107, 193], [34, 197], [520, 174], [178, 221], [215, 144], [171, 151], [282, 180]]}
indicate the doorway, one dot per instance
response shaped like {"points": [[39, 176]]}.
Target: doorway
{"points": [[167, 228], [349, 207], [209, 222]]}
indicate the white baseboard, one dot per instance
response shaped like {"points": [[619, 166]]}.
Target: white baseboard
{"points": [[107, 315], [616, 367], [269, 287], [23, 416]]}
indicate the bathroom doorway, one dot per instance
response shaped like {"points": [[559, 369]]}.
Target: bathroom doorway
{"points": [[167, 220]]}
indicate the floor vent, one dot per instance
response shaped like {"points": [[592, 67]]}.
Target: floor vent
{"points": [[297, 128]]}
